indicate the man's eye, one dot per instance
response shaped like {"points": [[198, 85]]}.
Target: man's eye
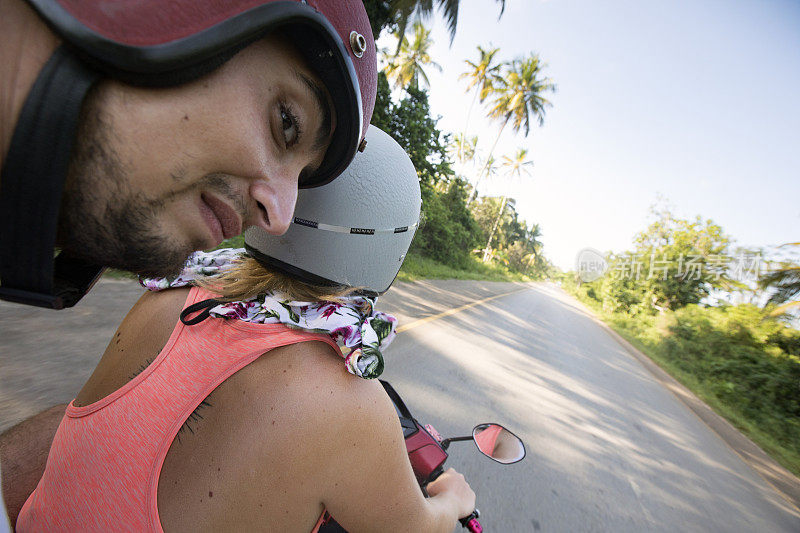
{"points": [[291, 131]]}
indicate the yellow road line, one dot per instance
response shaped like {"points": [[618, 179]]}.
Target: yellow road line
{"points": [[443, 314]]}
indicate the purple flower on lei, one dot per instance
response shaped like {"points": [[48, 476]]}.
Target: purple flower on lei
{"points": [[344, 335], [233, 310], [329, 308]]}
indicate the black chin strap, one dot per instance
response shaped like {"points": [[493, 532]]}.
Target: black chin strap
{"points": [[31, 185]]}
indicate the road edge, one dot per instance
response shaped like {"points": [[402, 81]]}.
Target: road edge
{"points": [[786, 484]]}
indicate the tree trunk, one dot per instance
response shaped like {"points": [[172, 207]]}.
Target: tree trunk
{"points": [[488, 249], [486, 165], [530, 261], [466, 123]]}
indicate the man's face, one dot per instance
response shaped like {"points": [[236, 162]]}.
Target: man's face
{"points": [[159, 173]]}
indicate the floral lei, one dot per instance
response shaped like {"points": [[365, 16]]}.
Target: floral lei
{"points": [[353, 324]]}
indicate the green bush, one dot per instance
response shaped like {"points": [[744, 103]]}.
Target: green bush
{"points": [[420, 267], [734, 350], [449, 233]]}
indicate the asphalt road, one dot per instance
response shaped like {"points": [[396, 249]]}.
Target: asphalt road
{"points": [[609, 447]]}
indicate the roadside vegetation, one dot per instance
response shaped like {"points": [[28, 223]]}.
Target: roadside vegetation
{"points": [[731, 342], [462, 234], [420, 267]]}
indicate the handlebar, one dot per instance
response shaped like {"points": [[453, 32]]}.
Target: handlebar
{"points": [[471, 522]]}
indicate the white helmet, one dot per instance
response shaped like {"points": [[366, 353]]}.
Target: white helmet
{"points": [[354, 231]]}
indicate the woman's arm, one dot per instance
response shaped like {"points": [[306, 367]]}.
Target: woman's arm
{"points": [[368, 483]]}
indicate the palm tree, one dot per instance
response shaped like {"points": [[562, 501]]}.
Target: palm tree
{"points": [[786, 283], [532, 240], [516, 166], [519, 99], [488, 170], [464, 149], [482, 76], [405, 9], [407, 67]]}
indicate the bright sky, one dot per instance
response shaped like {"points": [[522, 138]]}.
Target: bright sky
{"points": [[698, 101]]}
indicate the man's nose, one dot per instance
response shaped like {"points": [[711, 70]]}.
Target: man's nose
{"points": [[276, 200]]}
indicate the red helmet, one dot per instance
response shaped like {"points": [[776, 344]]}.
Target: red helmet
{"points": [[156, 43]]}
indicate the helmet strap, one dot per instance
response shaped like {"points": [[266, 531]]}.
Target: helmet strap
{"points": [[31, 185]]}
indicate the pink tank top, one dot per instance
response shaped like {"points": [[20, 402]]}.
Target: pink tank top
{"points": [[103, 468]]}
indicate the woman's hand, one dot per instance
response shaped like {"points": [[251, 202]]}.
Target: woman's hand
{"points": [[452, 485]]}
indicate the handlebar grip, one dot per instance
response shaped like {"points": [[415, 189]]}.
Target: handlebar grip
{"points": [[435, 474], [473, 526], [471, 522]]}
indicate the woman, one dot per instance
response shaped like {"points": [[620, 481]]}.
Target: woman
{"points": [[241, 416]]}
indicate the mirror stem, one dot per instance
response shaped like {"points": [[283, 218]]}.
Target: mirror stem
{"points": [[446, 442]]}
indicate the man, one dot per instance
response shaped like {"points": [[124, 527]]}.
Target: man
{"points": [[131, 136]]}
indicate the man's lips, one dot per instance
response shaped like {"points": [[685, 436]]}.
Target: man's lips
{"points": [[220, 217]]}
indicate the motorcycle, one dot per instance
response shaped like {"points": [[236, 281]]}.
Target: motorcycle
{"points": [[427, 451]]}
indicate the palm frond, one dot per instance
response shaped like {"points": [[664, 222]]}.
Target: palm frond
{"points": [[423, 9], [785, 283], [782, 309], [407, 66]]}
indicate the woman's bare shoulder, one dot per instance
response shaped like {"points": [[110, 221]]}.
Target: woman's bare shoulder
{"points": [[155, 312], [304, 391], [343, 438], [310, 380], [138, 340]]}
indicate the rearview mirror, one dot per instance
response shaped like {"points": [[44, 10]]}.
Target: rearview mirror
{"points": [[498, 443]]}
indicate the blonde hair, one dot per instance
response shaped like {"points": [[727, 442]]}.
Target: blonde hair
{"points": [[247, 278]]}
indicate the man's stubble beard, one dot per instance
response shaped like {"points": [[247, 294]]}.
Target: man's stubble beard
{"points": [[101, 219]]}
